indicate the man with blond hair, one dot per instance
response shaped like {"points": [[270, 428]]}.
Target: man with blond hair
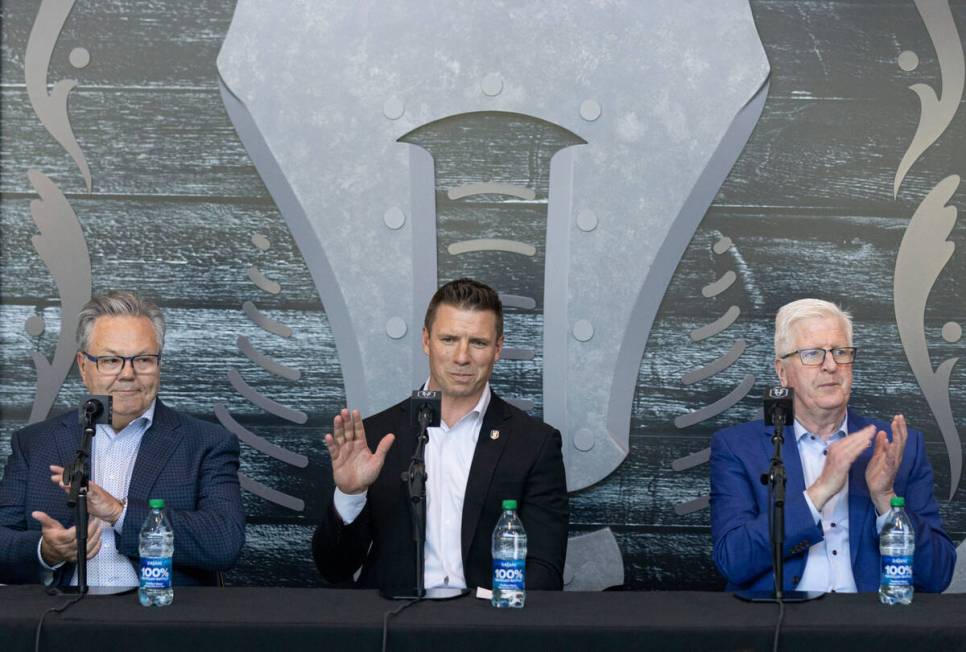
{"points": [[842, 471]]}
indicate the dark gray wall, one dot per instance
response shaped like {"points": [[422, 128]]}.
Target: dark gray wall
{"points": [[176, 201]]}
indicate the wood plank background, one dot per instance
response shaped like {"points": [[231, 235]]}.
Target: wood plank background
{"points": [[176, 204]]}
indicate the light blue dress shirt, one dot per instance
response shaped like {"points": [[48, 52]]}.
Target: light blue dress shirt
{"points": [[828, 566], [112, 462]]}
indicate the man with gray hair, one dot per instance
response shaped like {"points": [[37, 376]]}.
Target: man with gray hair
{"points": [[842, 471], [147, 451]]}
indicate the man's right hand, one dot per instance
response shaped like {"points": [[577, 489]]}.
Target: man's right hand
{"points": [[841, 455], [59, 544], [354, 466]]}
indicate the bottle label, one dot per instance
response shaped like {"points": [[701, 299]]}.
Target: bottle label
{"points": [[509, 574], [155, 572], [897, 571]]}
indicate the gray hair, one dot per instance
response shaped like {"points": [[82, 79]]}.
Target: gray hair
{"points": [[795, 312], [117, 303]]}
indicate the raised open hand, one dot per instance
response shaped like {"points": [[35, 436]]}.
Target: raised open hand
{"points": [[354, 466]]}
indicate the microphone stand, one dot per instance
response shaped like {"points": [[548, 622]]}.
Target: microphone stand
{"points": [[776, 479], [415, 479], [77, 476], [426, 409]]}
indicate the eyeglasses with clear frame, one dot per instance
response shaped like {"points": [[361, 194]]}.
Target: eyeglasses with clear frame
{"points": [[114, 364], [816, 357]]}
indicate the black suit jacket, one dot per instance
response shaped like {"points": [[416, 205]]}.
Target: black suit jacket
{"points": [[523, 463], [191, 464]]}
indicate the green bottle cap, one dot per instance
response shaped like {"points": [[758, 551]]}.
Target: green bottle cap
{"points": [[898, 501], [509, 504], [156, 503]]}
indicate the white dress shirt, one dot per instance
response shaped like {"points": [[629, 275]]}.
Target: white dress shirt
{"points": [[112, 461], [828, 566], [449, 454]]}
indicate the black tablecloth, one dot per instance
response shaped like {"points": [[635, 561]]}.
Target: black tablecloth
{"points": [[326, 620]]}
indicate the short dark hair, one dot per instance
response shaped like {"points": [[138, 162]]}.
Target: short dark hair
{"points": [[466, 294]]}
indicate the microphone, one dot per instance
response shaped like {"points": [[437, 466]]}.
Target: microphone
{"points": [[425, 408], [95, 409], [779, 405]]}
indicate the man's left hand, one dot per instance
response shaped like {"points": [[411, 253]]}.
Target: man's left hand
{"points": [[99, 503], [886, 458]]}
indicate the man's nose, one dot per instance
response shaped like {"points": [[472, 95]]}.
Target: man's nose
{"points": [[829, 364], [463, 353], [127, 369]]}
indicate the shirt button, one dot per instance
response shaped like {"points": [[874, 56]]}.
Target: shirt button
{"points": [[833, 524], [835, 552], [825, 452]]}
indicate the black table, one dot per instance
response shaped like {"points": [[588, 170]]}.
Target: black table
{"points": [[325, 620]]}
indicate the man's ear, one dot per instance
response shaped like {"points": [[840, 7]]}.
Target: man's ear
{"points": [[780, 372]]}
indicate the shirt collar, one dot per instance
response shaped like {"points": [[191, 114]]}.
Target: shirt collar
{"points": [[801, 432], [148, 417]]}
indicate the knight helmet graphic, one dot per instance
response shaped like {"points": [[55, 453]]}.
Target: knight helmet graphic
{"points": [[563, 153]]}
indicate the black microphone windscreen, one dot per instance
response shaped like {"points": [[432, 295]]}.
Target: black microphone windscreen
{"points": [[427, 404], [97, 408], [779, 402]]}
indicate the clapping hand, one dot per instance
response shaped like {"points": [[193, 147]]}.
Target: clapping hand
{"points": [[886, 458]]}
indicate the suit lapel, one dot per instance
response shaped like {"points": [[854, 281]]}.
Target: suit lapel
{"points": [[158, 444], [486, 456], [859, 502], [794, 475], [68, 438]]}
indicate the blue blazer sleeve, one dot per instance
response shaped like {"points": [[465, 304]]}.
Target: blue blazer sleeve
{"points": [[18, 540], [739, 511], [193, 465], [935, 556]]}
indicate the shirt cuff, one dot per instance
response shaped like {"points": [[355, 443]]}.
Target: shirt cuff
{"points": [[880, 521], [349, 506], [119, 523], [40, 557], [816, 515]]}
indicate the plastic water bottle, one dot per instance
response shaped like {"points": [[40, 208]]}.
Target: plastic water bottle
{"points": [[897, 543], [156, 549], [509, 559]]}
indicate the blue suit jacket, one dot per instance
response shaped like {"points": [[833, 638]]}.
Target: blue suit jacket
{"points": [[739, 511], [191, 464]]}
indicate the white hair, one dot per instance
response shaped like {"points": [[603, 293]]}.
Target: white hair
{"points": [[795, 312]]}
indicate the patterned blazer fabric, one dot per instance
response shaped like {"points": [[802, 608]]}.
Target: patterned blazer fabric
{"points": [[190, 463]]}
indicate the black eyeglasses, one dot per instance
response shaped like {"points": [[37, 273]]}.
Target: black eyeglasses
{"points": [[114, 364], [816, 357]]}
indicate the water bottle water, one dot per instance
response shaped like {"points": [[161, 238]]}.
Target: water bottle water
{"points": [[156, 549], [509, 559], [897, 543]]}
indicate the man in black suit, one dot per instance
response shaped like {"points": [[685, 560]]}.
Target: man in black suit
{"points": [[484, 451]]}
